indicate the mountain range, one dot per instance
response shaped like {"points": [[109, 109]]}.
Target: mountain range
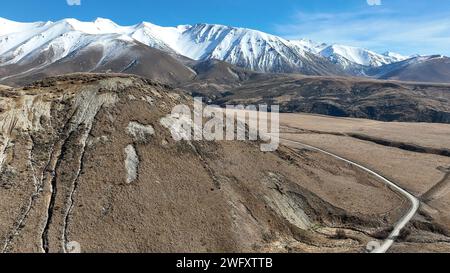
{"points": [[169, 54]]}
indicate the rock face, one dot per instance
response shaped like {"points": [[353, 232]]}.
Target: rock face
{"points": [[85, 161]]}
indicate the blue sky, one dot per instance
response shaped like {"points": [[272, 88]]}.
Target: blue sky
{"points": [[405, 26]]}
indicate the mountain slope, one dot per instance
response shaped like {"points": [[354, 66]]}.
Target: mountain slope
{"points": [[357, 61], [358, 56], [112, 55], [88, 159], [250, 49], [33, 51], [420, 69], [347, 97]]}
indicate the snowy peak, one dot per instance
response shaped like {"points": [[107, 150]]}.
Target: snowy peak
{"points": [[105, 24], [395, 57], [8, 26], [355, 55], [240, 46], [59, 39], [309, 45], [218, 41], [164, 38], [99, 26]]}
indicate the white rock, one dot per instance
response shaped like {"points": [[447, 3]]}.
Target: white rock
{"points": [[140, 132], [131, 163]]}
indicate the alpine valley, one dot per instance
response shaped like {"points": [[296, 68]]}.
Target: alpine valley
{"points": [[90, 160]]}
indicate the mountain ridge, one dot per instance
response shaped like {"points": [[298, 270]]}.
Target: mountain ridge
{"points": [[31, 47], [245, 47]]}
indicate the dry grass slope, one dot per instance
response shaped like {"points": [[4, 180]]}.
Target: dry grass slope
{"points": [[85, 158]]}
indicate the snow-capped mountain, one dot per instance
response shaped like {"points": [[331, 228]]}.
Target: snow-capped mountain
{"points": [[25, 42], [357, 61], [248, 48], [435, 68], [39, 44], [347, 55], [33, 50], [251, 49]]}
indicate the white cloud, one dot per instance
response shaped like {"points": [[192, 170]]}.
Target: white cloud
{"points": [[380, 31], [374, 2], [74, 2]]}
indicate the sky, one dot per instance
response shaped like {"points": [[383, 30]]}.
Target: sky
{"points": [[405, 26]]}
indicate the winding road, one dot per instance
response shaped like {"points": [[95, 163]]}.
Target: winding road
{"points": [[415, 203]]}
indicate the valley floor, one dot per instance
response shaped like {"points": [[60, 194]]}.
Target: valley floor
{"points": [[414, 155]]}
